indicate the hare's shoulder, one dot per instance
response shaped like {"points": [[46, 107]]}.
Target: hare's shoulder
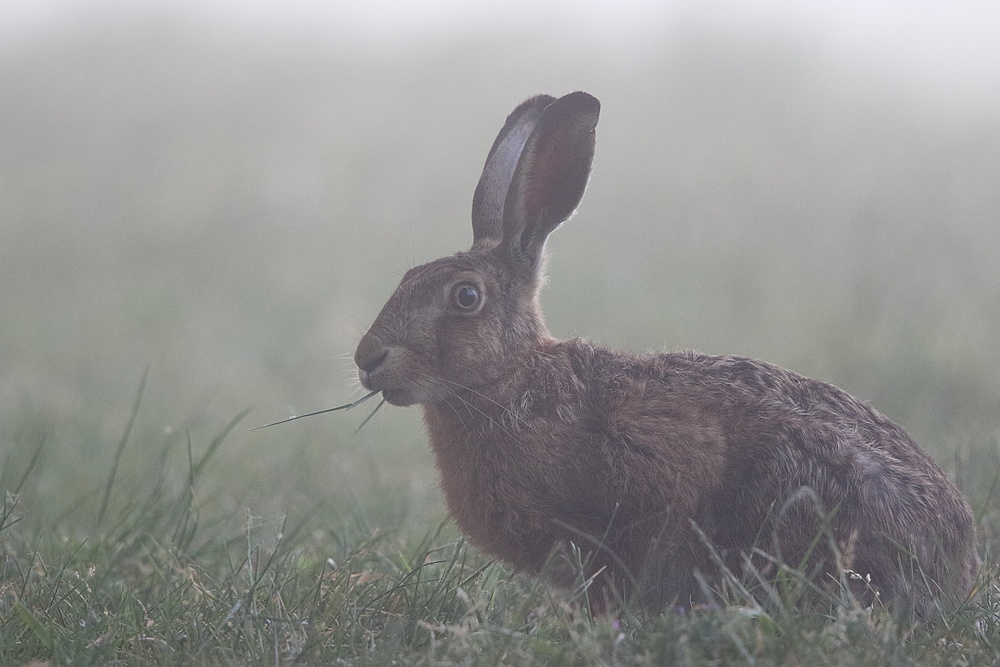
{"points": [[722, 379], [747, 401], [716, 381]]}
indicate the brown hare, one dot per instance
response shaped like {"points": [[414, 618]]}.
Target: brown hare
{"points": [[654, 471]]}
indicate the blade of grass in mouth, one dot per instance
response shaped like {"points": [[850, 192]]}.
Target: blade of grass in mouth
{"points": [[346, 406]]}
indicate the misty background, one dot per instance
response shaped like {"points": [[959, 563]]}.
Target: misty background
{"points": [[226, 193]]}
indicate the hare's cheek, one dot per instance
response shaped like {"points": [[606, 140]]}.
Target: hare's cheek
{"points": [[460, 355]]}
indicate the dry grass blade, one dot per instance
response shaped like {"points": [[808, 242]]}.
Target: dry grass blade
{"points": [[346, 406], [368, 418]]}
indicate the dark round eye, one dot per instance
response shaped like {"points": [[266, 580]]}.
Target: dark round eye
{"points": [[466, 297]]}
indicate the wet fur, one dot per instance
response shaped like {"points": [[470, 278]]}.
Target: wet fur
{"points": [[646, 463]]}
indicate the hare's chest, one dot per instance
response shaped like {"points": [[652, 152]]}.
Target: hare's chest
{"points": [[500, 518], [499, 492]]}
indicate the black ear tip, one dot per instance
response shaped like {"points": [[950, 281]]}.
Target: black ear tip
{"points": [[584, 102]]}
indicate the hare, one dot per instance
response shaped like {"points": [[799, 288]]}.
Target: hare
{"points": [[658, 471]]}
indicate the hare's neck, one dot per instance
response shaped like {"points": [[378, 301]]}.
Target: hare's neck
{"points": [[491, 411], [539, 384], [494, 452]]}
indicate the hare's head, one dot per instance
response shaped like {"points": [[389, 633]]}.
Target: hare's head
{"points": [[456, 323]]}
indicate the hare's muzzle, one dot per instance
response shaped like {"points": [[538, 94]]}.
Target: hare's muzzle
{"points": [[381, 370], [367, 364]]}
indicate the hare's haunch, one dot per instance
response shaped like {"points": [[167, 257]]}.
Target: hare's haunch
{"points": [[660, 469]]}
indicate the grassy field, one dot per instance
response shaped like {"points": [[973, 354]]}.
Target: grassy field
{"points": [[195, 232], [178, 558], [175, 559]]}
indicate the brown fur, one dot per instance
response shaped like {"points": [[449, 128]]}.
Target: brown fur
{"points": [[647, 464]]}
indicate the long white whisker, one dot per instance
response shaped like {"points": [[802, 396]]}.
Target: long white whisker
{"points": [[455, 409], [471, 406], [435, 385], [510, 413]]}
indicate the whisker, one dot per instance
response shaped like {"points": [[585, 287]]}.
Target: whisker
{"points": [[346, 406], [510, 413], [434, 386], [477, 392], [470, 406], [455, 410], [349, 371], [428, 385]]}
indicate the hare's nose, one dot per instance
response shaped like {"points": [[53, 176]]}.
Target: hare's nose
{"points": [[367, 366]]}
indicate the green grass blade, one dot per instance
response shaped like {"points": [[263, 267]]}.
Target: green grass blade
{"points": [[36, 626], [121, 449]]}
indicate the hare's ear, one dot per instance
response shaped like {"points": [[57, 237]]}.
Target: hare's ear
{"points": [[487, 203], [550, 177]]}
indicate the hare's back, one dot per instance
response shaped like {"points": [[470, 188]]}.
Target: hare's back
{"points": [[798, 455], [796, 426], [800, 452], [778, 433]]}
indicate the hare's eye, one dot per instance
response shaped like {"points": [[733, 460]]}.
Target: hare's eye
{"points": [[466, 297]]}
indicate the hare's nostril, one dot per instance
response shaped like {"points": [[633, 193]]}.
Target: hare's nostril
{"points": [[371, 365]]}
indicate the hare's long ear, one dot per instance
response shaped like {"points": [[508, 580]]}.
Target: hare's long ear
{"points": [[550, 177], [491, 192]]}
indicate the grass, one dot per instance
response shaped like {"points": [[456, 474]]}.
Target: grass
{"points": [[178, 574]]}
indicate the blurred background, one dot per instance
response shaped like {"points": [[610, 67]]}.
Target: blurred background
{"points": [[224, 193]]}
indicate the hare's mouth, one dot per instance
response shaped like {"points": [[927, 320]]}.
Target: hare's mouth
{"points": [[397, 397], [392, 395], [396, 385], [406, 396]]}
